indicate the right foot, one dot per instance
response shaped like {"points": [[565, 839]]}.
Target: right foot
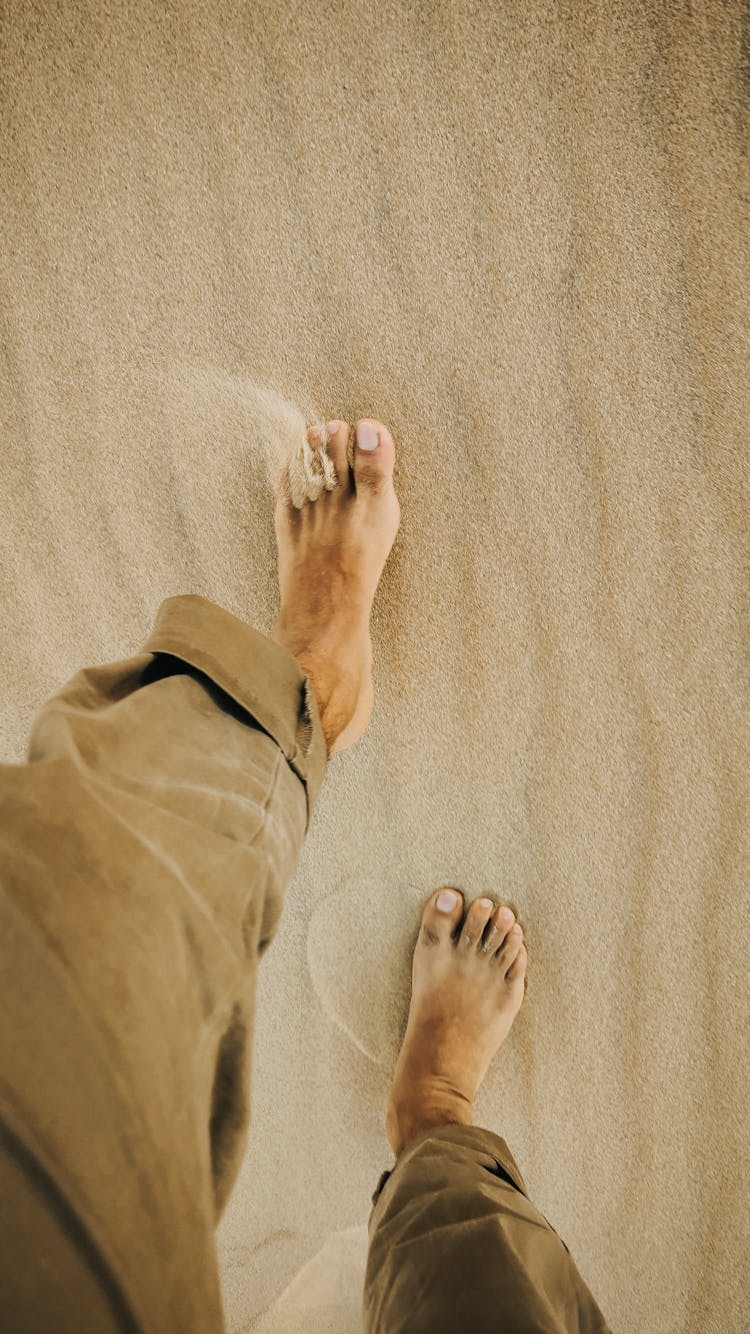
{"points": [[331, 557], [468, 982]]}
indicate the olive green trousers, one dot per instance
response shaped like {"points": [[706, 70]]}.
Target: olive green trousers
{"points": [[144, 851]]}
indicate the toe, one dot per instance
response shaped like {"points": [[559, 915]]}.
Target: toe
{"points": [[497, 928], [337, 448], [518, 967], [477, 918], [373, 456], [509, 948], [439, 923]]}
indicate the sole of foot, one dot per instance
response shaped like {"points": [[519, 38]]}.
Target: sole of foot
{"points": [[468, 983], [332, 553]]}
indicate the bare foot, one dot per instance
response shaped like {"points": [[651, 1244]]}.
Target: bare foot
{"points": [[331, 556], [468, 982]]}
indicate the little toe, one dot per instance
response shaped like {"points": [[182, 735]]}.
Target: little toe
{"points": [[441, 915], [373, 456], [509, 948], [518, 967]]}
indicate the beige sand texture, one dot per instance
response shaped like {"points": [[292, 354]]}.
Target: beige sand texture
{"points": [[519, 234]]}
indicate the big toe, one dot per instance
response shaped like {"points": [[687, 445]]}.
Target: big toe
{"points": [[441, 916], [372, 453]]}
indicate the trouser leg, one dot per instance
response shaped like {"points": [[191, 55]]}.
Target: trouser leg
{"points": [[144, 851], [456, 1244]]}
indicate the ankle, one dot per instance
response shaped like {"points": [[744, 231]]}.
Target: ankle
{"points": [[336, 699], [336, 689], [414, 1115]]}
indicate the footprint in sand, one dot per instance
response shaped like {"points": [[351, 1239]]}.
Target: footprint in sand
{"points": [[359, 950]]}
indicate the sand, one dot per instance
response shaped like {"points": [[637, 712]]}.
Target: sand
{"points": [[518, 234]]}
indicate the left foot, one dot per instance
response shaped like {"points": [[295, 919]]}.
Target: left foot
{"points": [[468, 982], [331, 556]]}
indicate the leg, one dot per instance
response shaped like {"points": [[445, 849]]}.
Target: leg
{"points": [[144, 853], [455, 1242], [144, 849]]}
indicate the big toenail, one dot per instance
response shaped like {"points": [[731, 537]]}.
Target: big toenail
{"points": [[446, 902], [506, 915], [367, 436]]}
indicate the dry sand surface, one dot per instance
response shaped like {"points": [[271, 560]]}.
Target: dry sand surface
{"points": [[518, 234]]}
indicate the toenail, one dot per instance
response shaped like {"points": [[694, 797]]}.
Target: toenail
{"points": [[506, 915], [315, 434], [332, 427], [485, 903], [447, 901], [367, 436], [516, 930]]}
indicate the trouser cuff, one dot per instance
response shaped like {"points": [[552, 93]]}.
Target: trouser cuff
{"points": [[259, 674], [476, 1137]]}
